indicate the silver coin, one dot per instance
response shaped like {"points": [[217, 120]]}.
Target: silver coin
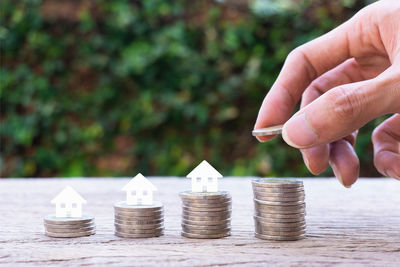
{"points": [[277, 214], [207, 213], [199, 204], [211, 236], [206, 218], [211, 209], [206, 202], [280, 220], [189, 227], [287, 207], [156, 206], [273, 130], [277, 183], [279, 223], [52, 219], [281, 233], [205, 232], [125, 235], [130, 217], [138, 222], [67, 235], [186, 195], [279, 238], [138, 231], [73, 230], [145, 214], [139, 226], [267, 216], [279, 203], [206, 223], [69, 226], [277, 190], [260, 228]]}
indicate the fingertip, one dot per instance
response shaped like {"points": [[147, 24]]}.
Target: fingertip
{"points": [[263, 139], [316, 158], [344, 162]]}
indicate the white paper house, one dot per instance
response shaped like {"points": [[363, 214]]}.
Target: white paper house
{"points": [[139, 191], [204, 178], [68, 203]]}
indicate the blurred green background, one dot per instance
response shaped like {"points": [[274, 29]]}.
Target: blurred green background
{"points": [[112, 88]]}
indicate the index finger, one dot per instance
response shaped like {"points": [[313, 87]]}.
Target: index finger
{"points": [[301, 67]]}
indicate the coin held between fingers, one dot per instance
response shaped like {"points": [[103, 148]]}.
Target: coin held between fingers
{"points": [[273, 130]]}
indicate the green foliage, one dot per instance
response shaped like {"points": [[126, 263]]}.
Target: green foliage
{"points": [[154, 86]]}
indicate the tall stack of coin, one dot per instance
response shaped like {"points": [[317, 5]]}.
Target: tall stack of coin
{"points": [[206, 215], [139, 221], [69, 226], [279, 209]]}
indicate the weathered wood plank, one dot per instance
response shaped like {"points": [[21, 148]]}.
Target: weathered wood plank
{"points": [[358, 226]]}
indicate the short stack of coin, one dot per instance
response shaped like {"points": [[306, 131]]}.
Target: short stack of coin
{"points": [[279, 209], [139, 221], [206, 215], [69, 226]]}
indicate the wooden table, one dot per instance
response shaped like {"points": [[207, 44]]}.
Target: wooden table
{"points": [[353, 227]]}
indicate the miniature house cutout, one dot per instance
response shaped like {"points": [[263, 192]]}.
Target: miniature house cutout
{"points": [[139, 191], [204, 178], [68, 203]]}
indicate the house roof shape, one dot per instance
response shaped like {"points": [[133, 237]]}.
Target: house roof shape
{"points": [[139, 182], [68, 195], [204, 169]]}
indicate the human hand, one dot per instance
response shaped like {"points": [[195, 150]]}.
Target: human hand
{"points": [[344, 79]]}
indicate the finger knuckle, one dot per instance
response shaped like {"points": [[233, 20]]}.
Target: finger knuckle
{"points": [[346, 103]]}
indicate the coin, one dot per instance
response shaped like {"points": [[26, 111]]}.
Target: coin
{"points": [[281, 233], [205, 218], [279, 238], [156, 206], [297, 216], [138, 222], [205, 232], [273, 130], [204, 195], [280, 198], [77, 234], [139, 226], [279, 203], [207, 213], [269, 219], [69, 226], [280, 223], [265, 228], [138, 231], [144, 214], [189, 227], [282, 206], [125, 235], [277, 183], [199, 204], [277, 190], [210, 236], [126, 217], [206, 223], [71, 230], [206, 202], [203, 209], [52, 219]]}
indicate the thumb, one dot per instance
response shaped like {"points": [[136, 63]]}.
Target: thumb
{"points": [[344, 109]]}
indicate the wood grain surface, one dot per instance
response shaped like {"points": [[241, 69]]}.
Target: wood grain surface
{"points": [[349, 227]]}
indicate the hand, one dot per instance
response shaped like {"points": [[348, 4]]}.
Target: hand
{"points": [[345, 79]]}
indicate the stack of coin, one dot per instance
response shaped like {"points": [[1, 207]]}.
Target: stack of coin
{"points": [[279, 209], [139, 221], [69, 227], [206, 215]]}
